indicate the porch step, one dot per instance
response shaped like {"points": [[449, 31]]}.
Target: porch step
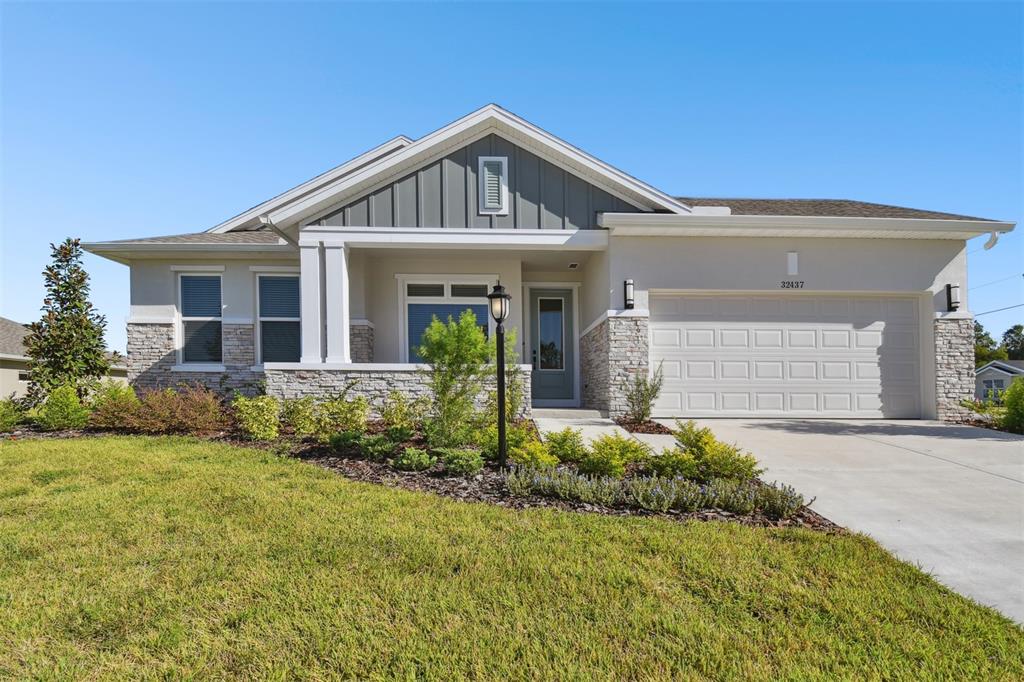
{"points": [[566, 413]]}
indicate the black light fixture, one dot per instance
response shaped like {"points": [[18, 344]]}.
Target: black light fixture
{"points": [[952, 297], [628, 284], [499, 300]]}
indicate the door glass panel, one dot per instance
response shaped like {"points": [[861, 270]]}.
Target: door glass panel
{"points": [[551, 336]]}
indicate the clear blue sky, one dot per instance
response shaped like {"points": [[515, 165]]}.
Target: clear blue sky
{"points": [[131, 120]]}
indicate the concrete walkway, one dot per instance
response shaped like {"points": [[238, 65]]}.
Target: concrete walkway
{"points": [[947, 498]]}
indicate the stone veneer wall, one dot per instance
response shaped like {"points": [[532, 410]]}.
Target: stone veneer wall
{"points": [[612, 355], [152, 356], [375, 384], [954, 367], [361, 342]]}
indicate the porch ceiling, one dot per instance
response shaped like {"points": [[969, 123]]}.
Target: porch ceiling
{"points": [[532, 261]]}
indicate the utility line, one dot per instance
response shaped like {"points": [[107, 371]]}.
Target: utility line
{"points": [[999, 310], [995, 282]]}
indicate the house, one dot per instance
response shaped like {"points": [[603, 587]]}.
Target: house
{"points": [[14, 363], [995, 377], [753, 308]]}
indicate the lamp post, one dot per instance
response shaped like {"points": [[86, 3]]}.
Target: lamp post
{"points": [[499, 301]]}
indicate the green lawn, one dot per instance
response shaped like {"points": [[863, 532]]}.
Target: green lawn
{"points": [[158, 557]]}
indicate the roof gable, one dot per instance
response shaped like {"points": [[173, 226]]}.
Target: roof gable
{"points": [[1002, 366]]}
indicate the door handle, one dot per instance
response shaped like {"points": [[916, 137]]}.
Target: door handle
{"points": [[534, 362]]}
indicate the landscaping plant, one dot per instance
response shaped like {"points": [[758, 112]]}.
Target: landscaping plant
{"points": [[113, 403], [711, 457], [341, 413], [399, 434], [300, 415], [672, 462], [516, 436], [609, 455], [413, 459], [1013, 399], [66, 346], [641, 395], [377, 448], [257, 417], [62, 409], [533, 454], [345, 441], [190, 409], [398, 412], [567, 445], [461, 462], [11, 414]]}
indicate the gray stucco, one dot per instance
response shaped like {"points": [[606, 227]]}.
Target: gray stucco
{"points": [[444, 194]]}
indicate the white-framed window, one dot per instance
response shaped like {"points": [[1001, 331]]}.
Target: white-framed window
{"points": [[424, 297], [279, 328], [492, 172], [201, 310]]}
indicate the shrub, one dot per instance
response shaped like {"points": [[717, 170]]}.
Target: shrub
{"points": [[567, 445], [736, 497], [654, 493], [461, 462], [778, 501], [11, 414], [456, 354], [713, 458], [516, 436], [671, 463], [609, 455], [641, 396], [113, 406], [340, 413], [1013, 399], [191, 409], [523, 481], [62, 410], [397, 411], [376, 448], [399, 434], [257, 417], [346, 441], [300, 415], [413, 459], [533, 454]]}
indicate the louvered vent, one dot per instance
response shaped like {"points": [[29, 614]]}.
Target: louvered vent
{"points": [[493, 184]]}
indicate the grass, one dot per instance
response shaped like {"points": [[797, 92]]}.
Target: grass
{"points": [[169, 557]]}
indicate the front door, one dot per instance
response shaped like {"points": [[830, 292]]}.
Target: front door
{"points": [[552, 339]]}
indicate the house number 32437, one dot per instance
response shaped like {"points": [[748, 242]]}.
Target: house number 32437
{"points": [[791, 284]]}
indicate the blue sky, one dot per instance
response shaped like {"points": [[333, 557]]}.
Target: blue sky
{"points": [[129, 120]]}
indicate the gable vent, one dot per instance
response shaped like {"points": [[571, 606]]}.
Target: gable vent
{"points": [[494, 185]]}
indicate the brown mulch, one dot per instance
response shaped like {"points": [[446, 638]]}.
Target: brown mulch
{"points": [[644, 427]]}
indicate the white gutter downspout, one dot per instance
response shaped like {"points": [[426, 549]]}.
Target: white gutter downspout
{"points": [[992, 239]]}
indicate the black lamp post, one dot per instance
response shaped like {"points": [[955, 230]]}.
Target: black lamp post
{"points": [[499, 300]]}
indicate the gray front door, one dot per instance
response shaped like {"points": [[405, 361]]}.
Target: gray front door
{"points": [[552, 339]]}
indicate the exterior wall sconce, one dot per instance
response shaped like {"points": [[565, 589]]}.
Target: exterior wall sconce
{"points": [[952, 297], [628, 284]]}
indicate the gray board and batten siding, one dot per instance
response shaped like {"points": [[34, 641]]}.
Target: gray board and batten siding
{"points": [[444, 194]]}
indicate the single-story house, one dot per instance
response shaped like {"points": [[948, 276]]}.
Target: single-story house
{"points": [[752, 307], [995, 377], [14, 363]]}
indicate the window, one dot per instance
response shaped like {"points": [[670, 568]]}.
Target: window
{"points": [[201, 319], [279, 318], [441, 299], [551, 334], [493, 174], [24, 376]]}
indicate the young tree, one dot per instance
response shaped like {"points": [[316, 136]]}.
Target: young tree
{"points": [[985, 347], [66, 345], [1013, 342]]}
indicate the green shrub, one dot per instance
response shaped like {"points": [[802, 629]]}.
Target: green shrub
{"points": [[567, 445], [193, 410], [1013, 399], [11, 414], [413, 459], [346, 441], [257, 417], [397, 411], [62, 410], [712, 458], [671, 463], [377, 448], [516, 436], [300, 415], [113, 406], [609, 455], [461, 462], [641, 395], [778, 501], [533, 454], [399, 434], [341, 413], [523, 481], [736, 497]]}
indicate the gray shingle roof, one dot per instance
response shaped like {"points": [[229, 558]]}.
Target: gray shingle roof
{"points": [[827, 208], [12, 336], [240, 237]]}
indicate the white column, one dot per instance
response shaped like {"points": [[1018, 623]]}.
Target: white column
{"points": [[309, 286], [336, 265]]}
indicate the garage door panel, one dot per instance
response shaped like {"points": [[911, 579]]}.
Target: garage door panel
{"points": [[815, 355]]}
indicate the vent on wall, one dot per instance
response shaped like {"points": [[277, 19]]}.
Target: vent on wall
{"points": [[493, 173]]}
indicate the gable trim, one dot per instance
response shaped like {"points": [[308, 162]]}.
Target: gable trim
{"points": [[996, 365]]}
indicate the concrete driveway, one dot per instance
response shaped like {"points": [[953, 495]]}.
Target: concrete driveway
{"points": [[947, 498]]}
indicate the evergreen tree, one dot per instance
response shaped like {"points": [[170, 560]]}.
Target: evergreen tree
{"points": [[66, 345], [1013, 342], [985, 348]]}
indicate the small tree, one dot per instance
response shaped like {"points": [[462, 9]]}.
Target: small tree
{"points": [[641, 396], [66, 346]]}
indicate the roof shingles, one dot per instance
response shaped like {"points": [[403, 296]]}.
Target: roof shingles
{"points": [[824, 208]]}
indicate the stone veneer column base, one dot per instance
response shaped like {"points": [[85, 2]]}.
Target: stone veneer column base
{"points": [[361, 342], [954, 367], [612, 355]]}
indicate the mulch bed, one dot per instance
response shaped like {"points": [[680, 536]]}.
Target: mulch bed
{"points": [[644, 427]]}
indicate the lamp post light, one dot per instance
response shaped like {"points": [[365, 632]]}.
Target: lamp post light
{"points": [[499, 300]]}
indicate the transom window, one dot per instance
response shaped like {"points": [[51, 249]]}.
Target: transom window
{"points": [[441, 298], [279, 318], [201, 319]]}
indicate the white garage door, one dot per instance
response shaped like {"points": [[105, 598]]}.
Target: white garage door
{"points": [[786, 356]]}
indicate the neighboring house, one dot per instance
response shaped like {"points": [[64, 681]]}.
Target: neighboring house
{"points": [[992, 378], [14, 361], [754, 308]]}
